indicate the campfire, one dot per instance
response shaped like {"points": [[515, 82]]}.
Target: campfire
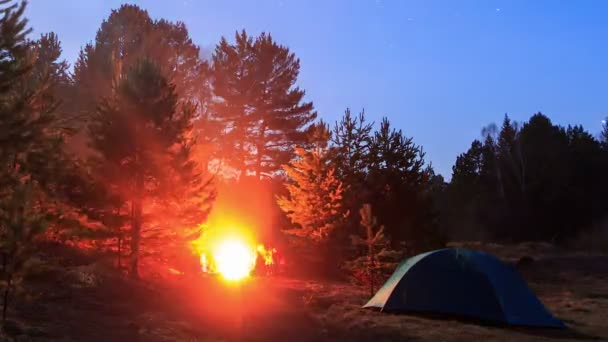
{"points": [[234, 259], [234, 240], [231, 252]]}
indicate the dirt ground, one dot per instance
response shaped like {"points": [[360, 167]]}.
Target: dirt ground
{"points": [[82, 301]]}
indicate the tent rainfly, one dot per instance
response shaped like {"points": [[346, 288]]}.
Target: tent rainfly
{"points": [[461, 282]]}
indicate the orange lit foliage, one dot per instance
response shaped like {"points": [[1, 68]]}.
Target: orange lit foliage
{"points": [[314, 204]]}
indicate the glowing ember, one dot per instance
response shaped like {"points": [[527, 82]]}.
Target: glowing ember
{"points": [[175, 271], [234, 259]]}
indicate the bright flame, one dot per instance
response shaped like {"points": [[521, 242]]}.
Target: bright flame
{"points": [[267, 254], [226, 248], [234, 259], [204, 264]]}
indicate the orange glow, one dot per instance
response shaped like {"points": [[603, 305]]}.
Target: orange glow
{"points": [[230, 252], [226, 248], [174, 271], [234, 259], [229, 243], [267, 254]]}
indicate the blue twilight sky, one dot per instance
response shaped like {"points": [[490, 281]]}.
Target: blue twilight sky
{"points": [[440, 70]]}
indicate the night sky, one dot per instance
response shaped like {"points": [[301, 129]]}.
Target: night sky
{"points": [[440, 70]]}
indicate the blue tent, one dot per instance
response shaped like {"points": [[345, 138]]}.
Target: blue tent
{"points": [[466, 283]]}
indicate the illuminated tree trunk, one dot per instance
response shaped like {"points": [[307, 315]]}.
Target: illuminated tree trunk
{"points": [[136, 223], [260, 152], [119, 239], [371, 269]]}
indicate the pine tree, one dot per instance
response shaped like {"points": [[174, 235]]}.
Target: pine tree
{"points": [[399, 181], [259, 107], [124, 38], [232, 85], [13, 46], [21, 221], [315, 198], [34, 170], [144, 142], [351, 140], [467, 169], [371, 267], [465, 195], [280, 112], [545, 154]]}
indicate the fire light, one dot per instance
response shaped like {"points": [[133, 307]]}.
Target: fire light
{"points": [[234, 259], [226, 248]]}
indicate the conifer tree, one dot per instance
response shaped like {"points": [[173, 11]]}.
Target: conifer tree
{"points": [[13, 45], [399, 182], [370, 267], [21, 221], [34, 170], [261, 111], [350, 140], [144, 143], [537, 182], [281, 115], [604, 134], [232, 113], [127, 36], [314, 203]]}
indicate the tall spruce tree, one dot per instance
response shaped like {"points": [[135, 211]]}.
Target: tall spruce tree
{"points": [[143, 139]]}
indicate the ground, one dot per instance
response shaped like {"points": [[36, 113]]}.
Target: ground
{"points": [[86, 301]]}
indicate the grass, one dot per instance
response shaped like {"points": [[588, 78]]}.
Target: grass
{"points": [[90, 302]]}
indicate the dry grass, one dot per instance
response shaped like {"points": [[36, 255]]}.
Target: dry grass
{"points": [[90, 303]]}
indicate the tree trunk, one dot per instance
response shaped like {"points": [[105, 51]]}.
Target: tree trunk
{"points": [[119, 242], [136, 223], [260, 152], [371, 269], [9, 284], [4, 258], [241, 139]]}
